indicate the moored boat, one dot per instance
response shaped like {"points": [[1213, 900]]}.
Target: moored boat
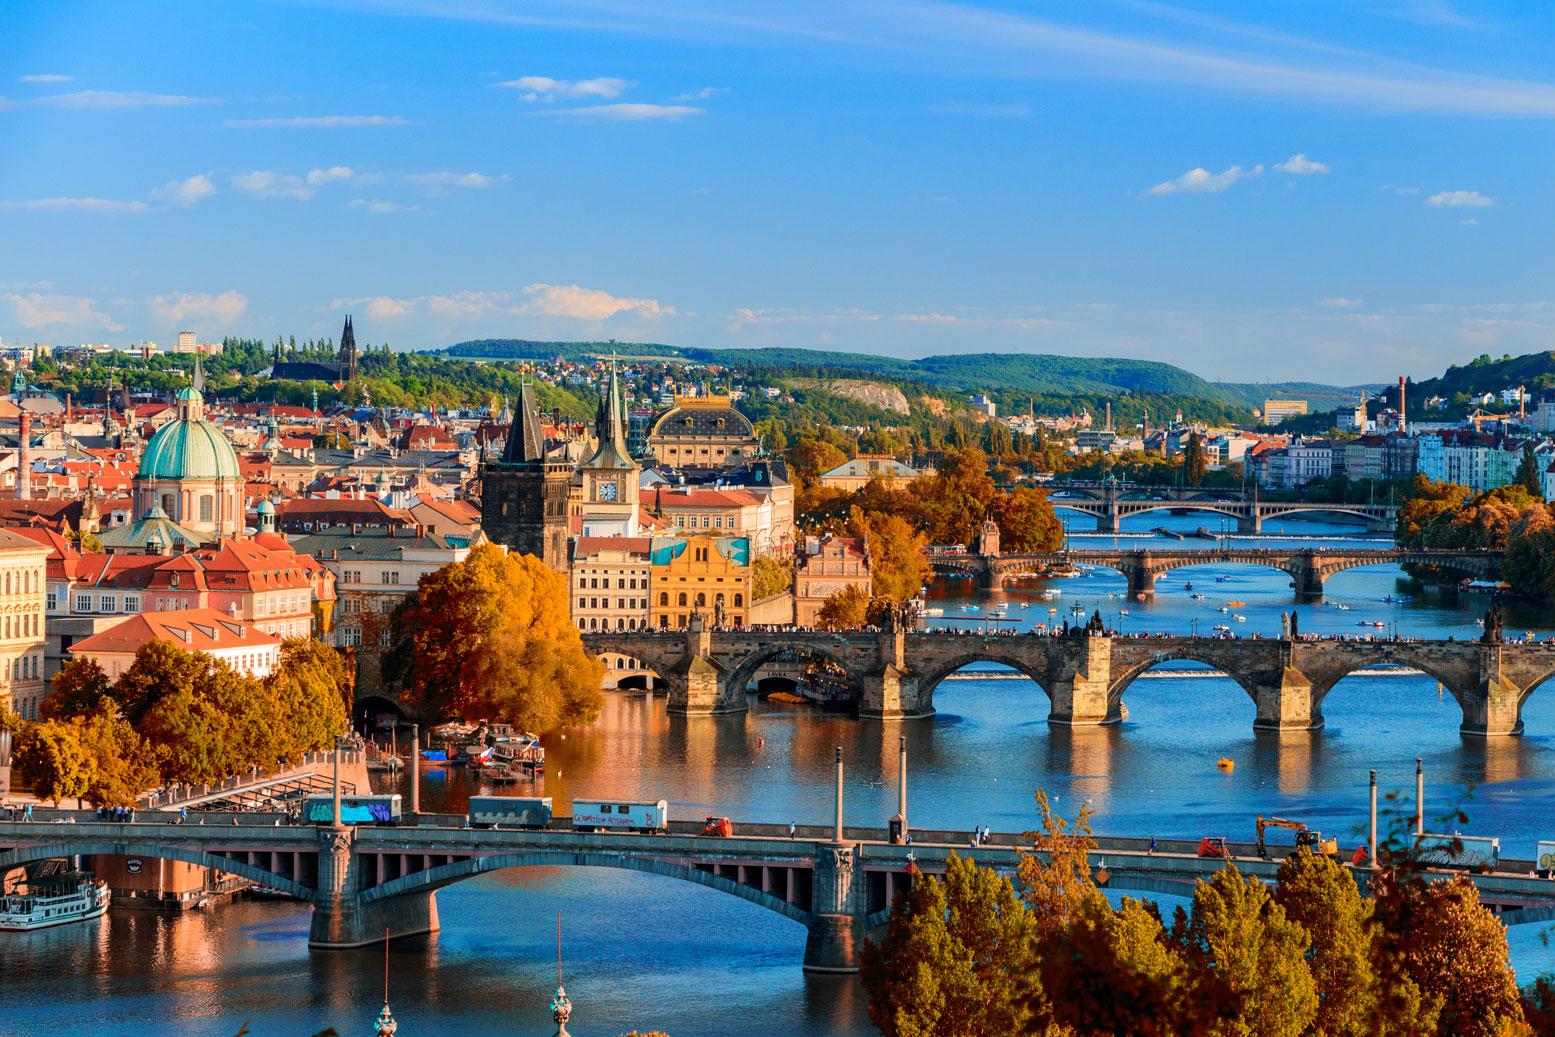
{"points": [[57, 900]]}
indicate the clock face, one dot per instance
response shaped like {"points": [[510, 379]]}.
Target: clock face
{"points": [[607, 491]]}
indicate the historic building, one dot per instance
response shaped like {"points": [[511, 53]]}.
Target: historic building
{"points": [[707, 575], [609, 582], [191, 472], [242, 646], [338, 373], [22, 583], [610, 476], [703, 432], [827, 566], [524, 493], [852, 476]]}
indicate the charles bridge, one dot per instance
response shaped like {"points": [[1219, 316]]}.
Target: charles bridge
{"points": [[1308, 568], [895, 671], [1110, 504], [365, 882]]}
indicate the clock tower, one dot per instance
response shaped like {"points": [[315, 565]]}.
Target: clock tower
{"points": [[610, 477]]}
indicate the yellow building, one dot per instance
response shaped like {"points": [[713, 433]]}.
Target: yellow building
{"points": [[1276, 411], [703, 432], [23, 588], [852, 476], [827, 566], [707, 575]]}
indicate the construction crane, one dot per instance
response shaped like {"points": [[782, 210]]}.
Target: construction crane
{"points": [[1305, 836]]}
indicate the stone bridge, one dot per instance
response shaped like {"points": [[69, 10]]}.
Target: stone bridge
{"points": [[1085, 678], [1308, 568], [1110, 506], [364, 882]]}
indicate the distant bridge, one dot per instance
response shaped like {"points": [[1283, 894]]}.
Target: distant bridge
{"points": [[1308, 568], [368, 881], [1111, 504], [1085, 678]]}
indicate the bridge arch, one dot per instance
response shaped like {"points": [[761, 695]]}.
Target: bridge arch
{"points": [[1382, 654], [1280, 511], [1205, 657], [741, 672], [455, 871], [934, 674], [23, 855]]}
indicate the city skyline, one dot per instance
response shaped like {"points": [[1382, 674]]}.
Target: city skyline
{"points": [[1323, 195]]}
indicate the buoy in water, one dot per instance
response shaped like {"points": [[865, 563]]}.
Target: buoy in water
{"points": [[1226, 763]]}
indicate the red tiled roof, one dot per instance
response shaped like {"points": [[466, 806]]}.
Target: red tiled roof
{"points": [[196, 630]]}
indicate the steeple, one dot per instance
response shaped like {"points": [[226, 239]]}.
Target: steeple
{"points": [[608, 427], [526, 441], [347, 352]]}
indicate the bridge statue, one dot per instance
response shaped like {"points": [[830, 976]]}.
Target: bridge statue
{"points": [[1285, 626]]}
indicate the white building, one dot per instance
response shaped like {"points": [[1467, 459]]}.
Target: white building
{"points": [[242, 646]]}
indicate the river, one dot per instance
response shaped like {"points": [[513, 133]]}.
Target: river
{"points": [[648, 952]]}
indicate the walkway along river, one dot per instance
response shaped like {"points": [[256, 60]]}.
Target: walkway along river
{"points": [[644, 951]]}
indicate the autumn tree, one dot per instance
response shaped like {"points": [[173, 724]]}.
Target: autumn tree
{"points": [[1321, 897], [1247, 973], [311, 687], [1529, 472], [1027, 522], [769, 576], [1055, 878], [51, 759], [78, 687], [951, 504], [121, 763], [847, 609], [160, 669], [898, 554], [490, 637], [1424, 502], [190, 736], [1113, 973], [958, 958]]}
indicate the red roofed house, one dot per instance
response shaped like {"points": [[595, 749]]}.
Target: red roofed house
{"points": [[732, 512], [240, 645]]}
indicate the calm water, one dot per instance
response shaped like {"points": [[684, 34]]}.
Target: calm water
{"points": [[643, 951]]}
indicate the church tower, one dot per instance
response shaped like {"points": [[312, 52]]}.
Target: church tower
{"points": [[524, 493], [610, 476], [348, 352]]}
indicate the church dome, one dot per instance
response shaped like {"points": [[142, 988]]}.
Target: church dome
{"points": [[189, 448]]}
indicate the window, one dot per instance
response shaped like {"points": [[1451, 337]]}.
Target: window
{"points": [[701, 599], [83, 603], [132, 603], [350, 636], [739, 600], [110, 604], [682, 601], [207, 508], [167, 503], [383, 637], [664, 599], [52, 602], [391, 576]]}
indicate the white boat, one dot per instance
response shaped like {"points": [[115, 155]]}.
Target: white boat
{"points": [[59, 900]]}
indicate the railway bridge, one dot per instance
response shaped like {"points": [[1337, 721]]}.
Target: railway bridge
{"points": [[837, 882], [1308, 568], [1110, 505], [1085, 678]]}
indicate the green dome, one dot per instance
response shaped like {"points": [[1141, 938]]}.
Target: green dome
{"points": [[189, 448]]}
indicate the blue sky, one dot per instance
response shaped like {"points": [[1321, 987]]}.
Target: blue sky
{"points": [[1341, 191]]}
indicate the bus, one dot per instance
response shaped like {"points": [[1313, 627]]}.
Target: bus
{"points": [[354, 810]]}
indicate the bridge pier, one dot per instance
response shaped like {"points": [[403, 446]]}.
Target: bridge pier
{"points": [[1284, 702], [1109, 521], [1079, 691], [1493, 710], [698, 685], [1252, 522], [341, 920], [1309, 583], [891, 690], [836, 911], [1141, 581]]}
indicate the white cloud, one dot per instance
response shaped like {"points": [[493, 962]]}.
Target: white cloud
{"points": [[545, 89], [1201, 181], [929, 318], [378, 205], [322, 120], [1470, 222], [320, 177], [438, 184], [36, 310], [1339, 302], [43, 77], [86, 99], [707, 93], [1453, 199], [107, 206], [267, 183], [185, 192], [1300, 165], [556, 300], [625, 112], [182, 308]]}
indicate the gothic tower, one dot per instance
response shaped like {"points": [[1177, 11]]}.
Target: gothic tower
{"points": [[524, 493], [347, 352]]}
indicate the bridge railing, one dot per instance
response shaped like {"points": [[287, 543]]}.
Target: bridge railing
{"points": [[255, 777]]}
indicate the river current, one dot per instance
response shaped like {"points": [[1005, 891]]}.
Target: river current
{"points": [[645, 952]]}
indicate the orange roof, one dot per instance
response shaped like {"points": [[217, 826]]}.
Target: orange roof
{"points": [[195, 630], [694, 497]]}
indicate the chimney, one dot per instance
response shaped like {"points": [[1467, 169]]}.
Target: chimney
{"points": [[1403, 421], [1109, 416], [24, 458]]}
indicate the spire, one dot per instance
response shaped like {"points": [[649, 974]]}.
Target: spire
{"points": [[347, 352], [199, 375], [526, 441], [608, 427]]}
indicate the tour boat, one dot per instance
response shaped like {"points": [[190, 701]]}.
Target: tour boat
{"points": [[59, 900]]}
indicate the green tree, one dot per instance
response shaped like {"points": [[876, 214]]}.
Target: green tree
{"points": [[160, 669], [78, 687], [51, 759], [1193, 463], [958, 958], [121, 763], [490, 637], [311, 689], [769, 576], [191, 736], [952, 503], [1247, 972], [1529, 472], [1321, 897]]}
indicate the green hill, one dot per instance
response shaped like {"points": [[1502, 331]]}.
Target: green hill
{"points": [[1534, 372]]}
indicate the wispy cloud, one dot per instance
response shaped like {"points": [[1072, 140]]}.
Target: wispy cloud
{"points": [[572, 302], [108, 206], [1300, 165], [267, 183], [43, 77], [40, 310], [180, 308], [321, 121], [544, 89], [186, 192], [1201, 181], [1455, 199], [1339, 302], [435, 184], [89, 99], [320, 177], [1470, 222], [707, 93], [380, 206], [625, 112]]}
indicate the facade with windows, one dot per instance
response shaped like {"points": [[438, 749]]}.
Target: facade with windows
{"points": [[827, 566], [709, 576], [609, 582], [242, 646], [703, 432], [22, 597]]}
